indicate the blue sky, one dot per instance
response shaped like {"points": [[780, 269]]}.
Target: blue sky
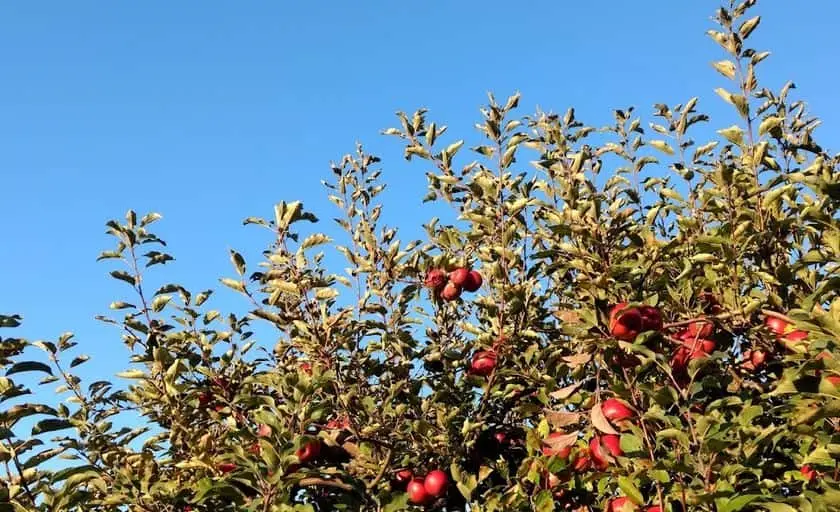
{"points": [[210, 111]]}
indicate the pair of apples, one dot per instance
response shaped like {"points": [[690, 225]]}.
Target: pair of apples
{"points": [[421, 489]]}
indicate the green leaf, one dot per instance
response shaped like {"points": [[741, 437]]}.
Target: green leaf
{"points": [[238, 262], [123, 276], [315, 240], [725, 68], [629, 488], [777, 507], [233, 284], [661, 145], [398, 502], [748, 26], [769, 124], [150, 218], [122, 305], [733, 134], [737, 503], [50, 425], [133, 374], [29, 366], [79, 360], [544, 501]]}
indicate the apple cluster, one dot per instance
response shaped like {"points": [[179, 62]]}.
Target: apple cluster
{"points": [[449, 286], [422, 490]]}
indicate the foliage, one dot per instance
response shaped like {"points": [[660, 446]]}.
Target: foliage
{"points": [[513, 391]]}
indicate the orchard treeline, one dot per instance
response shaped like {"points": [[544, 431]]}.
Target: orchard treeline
{"points": [[619, 319]]}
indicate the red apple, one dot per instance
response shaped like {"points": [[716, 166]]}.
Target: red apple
{"points": [[651, 318], [417, 491], [808, 472], [685, 354], [698, 329], [616, 410], [581, 463], [834, 380], [473, 282], [501, 438], [621, 504], [613, 444], [711, 305], [309, 451], [435, 483], [306, 367], [205, 398], [450, 292], [403, 476], [338, 423], [483, 363], [795, 336], [459, 276], [435, 279], [226, 467], [702, 345], [625, 324], [753, 359], [776, 325]]}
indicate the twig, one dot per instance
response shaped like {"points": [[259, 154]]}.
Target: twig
{"points": [[323, 482]]}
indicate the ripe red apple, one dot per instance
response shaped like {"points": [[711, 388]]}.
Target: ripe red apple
{"points": [[616, 410], [338, 423], [625, 324], [306, 367], [435, 279], [263, 431], [473, 282], [808, 472], [613, 444], [403, 476], [450, 292], [702, 345], [698, 329], [834, 380], [226, 467], [309, 451], [776, 325], [581, 463], [754, 359], [651, 318], [622, 504], [416, 490], [483, 363], [711, 305], [459, 276], [435, 483], [689, 352], [205, 398], [795, 336]]}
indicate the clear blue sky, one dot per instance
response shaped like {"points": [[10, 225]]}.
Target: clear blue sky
{"points": [[210, 111]]}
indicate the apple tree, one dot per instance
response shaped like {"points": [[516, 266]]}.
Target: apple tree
{"points": [[643, 316]]}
